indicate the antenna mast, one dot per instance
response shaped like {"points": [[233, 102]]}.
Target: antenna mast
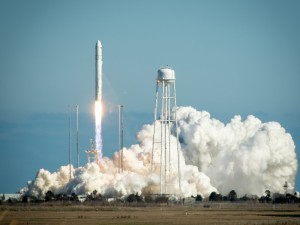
{"points": [[77, 142], [120, 137], [70, 143]]}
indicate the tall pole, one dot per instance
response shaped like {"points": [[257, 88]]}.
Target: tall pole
{"points": [[165, 132], [119, 135], [70, 142], [169, 131], [120, 138], [161, 136], [77, 142]]}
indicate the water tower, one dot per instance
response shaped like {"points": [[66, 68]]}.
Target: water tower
{"points": [[165, 151]]}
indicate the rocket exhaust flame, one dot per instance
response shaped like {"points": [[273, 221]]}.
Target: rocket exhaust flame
{"points": [[98, 128]]}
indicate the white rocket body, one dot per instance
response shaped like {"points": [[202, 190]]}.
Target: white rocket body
{"points": [[98, 96]]}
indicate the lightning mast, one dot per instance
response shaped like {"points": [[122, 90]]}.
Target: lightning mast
{"points": [[120, 137], [77, 141], [70, 144]]}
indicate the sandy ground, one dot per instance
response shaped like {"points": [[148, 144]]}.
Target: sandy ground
{"points": [[230, 213]]}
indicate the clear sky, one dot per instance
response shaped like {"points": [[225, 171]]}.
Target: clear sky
{"points": [[230, 57]]}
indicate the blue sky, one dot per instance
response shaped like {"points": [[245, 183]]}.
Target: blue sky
{"points": [[230, 57]]}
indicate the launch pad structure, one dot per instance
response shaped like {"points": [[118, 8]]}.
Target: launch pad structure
{"points": [[165, 146], [93, 154]]}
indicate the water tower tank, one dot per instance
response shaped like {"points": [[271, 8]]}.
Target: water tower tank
{"points": [[166, 74]]}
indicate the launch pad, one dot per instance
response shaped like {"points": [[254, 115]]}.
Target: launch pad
{"points": [[93, 154]]}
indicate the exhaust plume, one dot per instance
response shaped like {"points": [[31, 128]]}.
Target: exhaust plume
{"points": [[98, 128], [248, 156]]}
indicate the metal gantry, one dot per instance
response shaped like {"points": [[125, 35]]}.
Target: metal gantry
{"points": [[93, 154]]}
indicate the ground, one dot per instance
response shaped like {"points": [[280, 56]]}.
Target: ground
{"points": [[210, 214]]}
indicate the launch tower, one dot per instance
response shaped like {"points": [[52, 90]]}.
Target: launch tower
{"points": [[93, 154]]}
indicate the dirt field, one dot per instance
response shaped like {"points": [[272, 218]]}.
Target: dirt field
{"points": [[229, 213]]}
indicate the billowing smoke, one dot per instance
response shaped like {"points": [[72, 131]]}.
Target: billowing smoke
{"points": [[248, 156]]}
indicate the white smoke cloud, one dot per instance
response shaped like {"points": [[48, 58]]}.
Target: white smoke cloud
{"points": [[248, 156]]}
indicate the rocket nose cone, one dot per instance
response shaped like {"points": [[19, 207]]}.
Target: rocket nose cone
{"points": [[99, 43]]}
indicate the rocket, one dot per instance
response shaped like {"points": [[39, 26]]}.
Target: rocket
{"points": [[98, 101], [98, 94]]}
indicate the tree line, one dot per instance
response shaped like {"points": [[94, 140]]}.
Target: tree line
{"points": [[267, 198], [94, 196]]}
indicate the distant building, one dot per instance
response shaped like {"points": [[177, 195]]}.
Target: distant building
{"points": [[82, 198]]}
